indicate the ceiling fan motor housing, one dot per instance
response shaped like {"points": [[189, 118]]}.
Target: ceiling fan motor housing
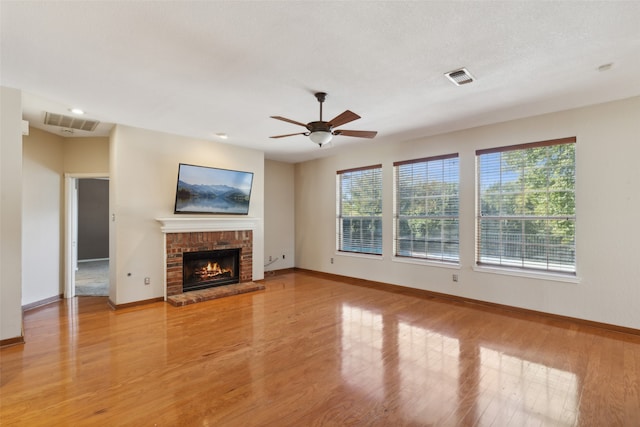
{"points": [[319, 126]]}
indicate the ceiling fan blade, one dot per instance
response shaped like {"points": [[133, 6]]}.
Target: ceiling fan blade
{"points": [[284, 119], [346, 117], [289, 134], [356, 133]]}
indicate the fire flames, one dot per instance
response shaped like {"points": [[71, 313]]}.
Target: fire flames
{"points": [[211, 271]]}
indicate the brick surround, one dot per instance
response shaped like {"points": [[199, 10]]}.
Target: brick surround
{"points": [[180, 242]]}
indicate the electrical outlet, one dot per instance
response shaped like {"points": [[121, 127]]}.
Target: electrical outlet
{"points": [[331, 260], [147, 280], [282, 256], [455, 277], [270, 258]]}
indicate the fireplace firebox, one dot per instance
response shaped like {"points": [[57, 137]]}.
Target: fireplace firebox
{"points": [[206, 269]]}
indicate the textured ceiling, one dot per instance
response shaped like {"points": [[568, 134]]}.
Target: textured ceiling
{"points": [[201, 68]]}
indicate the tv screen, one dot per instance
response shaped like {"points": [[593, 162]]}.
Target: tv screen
{"points": [[209, 190]]}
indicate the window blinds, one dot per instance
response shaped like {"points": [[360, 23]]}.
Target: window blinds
{"points": [[526, 206], [426, 208], [359, 221]]}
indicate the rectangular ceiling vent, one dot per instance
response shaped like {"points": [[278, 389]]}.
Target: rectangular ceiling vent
{"points": [[70, 122], [460, 77]]}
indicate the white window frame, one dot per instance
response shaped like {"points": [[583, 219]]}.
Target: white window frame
{"points": [[368, 225], [552, 263], [428, 248]]}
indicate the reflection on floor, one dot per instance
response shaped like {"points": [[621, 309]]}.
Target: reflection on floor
{"points": [[312, 350], [92, 278]]}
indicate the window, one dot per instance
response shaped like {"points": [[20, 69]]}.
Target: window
{"points": [[359, 222], [526, 206], [426, 208]]}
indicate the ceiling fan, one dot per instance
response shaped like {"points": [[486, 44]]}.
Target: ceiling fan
{"points": [[321, 132]]}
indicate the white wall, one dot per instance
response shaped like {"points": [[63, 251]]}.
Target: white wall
{"points": [[279, 219], [143, 173], [86, 155], [46, 157], [607, 199], [10, 213], [42, 216]]}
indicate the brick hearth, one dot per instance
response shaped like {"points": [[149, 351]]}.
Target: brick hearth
{"points": [[214, 293], [180, 242]]}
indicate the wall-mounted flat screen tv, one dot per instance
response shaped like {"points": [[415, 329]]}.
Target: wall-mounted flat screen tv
{"points": [[206, 190]]}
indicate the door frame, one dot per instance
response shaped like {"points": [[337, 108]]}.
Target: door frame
{"points": [[71, 228]]}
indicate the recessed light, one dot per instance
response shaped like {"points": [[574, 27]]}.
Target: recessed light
{"points": [[605, 67], [222, 135], [76, 111]]}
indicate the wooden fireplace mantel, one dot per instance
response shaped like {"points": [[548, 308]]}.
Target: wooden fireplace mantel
{"points": [[194, 224]]}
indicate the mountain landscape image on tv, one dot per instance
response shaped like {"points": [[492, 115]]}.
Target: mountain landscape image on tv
{"points": [[204, 189]]}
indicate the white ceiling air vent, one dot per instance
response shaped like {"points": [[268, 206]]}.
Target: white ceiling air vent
{"points": [[460, 77], [70, 122]]}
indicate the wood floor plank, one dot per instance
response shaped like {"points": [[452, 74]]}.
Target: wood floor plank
{"points": [[313, 351]]}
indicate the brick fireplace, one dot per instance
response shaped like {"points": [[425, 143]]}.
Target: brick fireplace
{"points": [[179, 243], [191, 235]]}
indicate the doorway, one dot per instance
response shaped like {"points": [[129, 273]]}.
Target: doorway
{"points": [[87, 235]]}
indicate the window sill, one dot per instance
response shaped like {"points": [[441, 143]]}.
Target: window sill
{"points": [[359, 255], [426, 262], [556, 277]]}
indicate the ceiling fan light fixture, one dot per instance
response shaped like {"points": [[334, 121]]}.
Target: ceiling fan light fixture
{"points": [[320, 137]]}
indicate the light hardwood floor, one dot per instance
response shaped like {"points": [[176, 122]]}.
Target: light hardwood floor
{"points": [[313, 351]]}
